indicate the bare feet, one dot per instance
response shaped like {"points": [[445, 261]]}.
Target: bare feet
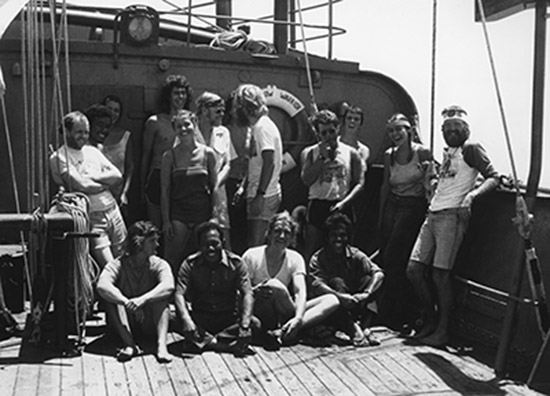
{"points": [[125, 354], [163, 356]]}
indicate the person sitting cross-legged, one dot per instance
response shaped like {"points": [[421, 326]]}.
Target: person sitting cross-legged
{"points": [[278, 276], [137, 287], [215, 283], [346, 272]]}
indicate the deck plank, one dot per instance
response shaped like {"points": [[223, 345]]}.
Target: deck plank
{"points": [[202, 377], [393, 383], [366, 376], [178, 371], [346, 375], [284, 374], [310, 357], [9, 357], [422, 373], [49, 380], [94, 375], [222, 375], [244, 377], [71, 377], [159, 379], [116, 381], [265, 376], [136, 375], [308, 378], [407, 379]]}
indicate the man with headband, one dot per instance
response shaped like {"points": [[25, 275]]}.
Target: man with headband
{"points": [[441, 233]]}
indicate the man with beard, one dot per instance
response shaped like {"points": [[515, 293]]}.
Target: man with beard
{"points": [[266, 160], [159, 136], [347, 272], [136, 288], [333, 172], [449, 212], [215, 283], [210, 112], [80, 167]]}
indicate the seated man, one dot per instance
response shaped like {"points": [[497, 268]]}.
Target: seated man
{"points": [[278, 276], [137, 288], [213, 280], [346, 272]]}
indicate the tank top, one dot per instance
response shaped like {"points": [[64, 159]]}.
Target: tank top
{"points": [[334, 181], [407, 180], [190, 195]]}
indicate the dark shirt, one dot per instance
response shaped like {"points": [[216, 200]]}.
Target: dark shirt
{"points": [[213, 288], [354, 268]]}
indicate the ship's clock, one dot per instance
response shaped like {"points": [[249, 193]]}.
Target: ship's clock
{"points": [[139, 26]]}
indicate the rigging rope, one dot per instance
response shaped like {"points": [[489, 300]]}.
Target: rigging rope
{"points": [[306, 56], [434, 47], [499, 96]]}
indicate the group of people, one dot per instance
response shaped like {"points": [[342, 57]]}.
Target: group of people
{"points": [[193, 169]]}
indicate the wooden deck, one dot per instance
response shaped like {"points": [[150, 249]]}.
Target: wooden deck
{"points": [[393, 368]]}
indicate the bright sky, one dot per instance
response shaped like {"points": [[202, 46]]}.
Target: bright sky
{"points": [[394, 37]]}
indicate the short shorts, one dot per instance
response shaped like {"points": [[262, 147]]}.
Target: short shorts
{"points": [[271, 206]]}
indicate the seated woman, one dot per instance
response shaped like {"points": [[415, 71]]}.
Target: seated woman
{"points": [[278, 276], [118, 148], [137, 287], [187, 178]]}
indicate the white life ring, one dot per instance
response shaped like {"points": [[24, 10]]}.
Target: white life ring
{"points": [[301, 133]]}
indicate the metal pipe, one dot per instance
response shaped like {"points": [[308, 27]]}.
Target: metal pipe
{"points": [[330, 23], [292, 26], [223, 7], [280, 27], [533, 181]]}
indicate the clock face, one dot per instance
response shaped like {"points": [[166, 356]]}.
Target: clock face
{"points": [[140, 28]]}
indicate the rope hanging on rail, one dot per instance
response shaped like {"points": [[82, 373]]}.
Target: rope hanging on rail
{"points": [[306, 57]]}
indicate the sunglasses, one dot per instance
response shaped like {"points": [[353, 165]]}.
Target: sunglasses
{"points": [[453, 112], [217, 103], [325, 132]]}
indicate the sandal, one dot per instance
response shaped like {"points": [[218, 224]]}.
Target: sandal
{"points": [[371, 339], [125, 354]]}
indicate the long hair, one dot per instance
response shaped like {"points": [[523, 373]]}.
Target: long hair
{"points": [[250, 101], [171, 82], [137, 235], [401, 119], [116, 99]]}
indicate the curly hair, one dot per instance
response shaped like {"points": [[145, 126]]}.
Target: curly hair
{"points": [[207, 226], [250, 101], [171, 82], [337, 220], [325, 117], [96, 111], [138, 233]]}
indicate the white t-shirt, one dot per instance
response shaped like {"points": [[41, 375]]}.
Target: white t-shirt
{"points": [[255, 261], [89, 162], [265, 136]]}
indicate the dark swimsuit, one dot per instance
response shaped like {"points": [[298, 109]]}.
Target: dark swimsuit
{"points": [[190, 195]]}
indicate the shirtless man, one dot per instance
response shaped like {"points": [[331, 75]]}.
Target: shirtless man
{"points": [[159, 136]]}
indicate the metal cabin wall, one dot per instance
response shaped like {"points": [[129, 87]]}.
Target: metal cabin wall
{"points": [[141, 72]]}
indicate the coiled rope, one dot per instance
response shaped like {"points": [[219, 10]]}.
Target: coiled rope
{"points": [[84, 271]]}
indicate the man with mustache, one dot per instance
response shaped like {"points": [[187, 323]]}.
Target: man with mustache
{"points": [[449, 212], [333, 172]]}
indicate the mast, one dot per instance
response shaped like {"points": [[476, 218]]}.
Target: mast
{"points": [[533, 181], [223, 8], [280, 27]]}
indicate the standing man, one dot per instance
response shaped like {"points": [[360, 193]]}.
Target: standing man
{"points": [[351, 125], [266, 160], [333, 172], [137, 287], [346, 272], [159, 136], [449, 212], [212, 281], [210, 112], [80, 167]]}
